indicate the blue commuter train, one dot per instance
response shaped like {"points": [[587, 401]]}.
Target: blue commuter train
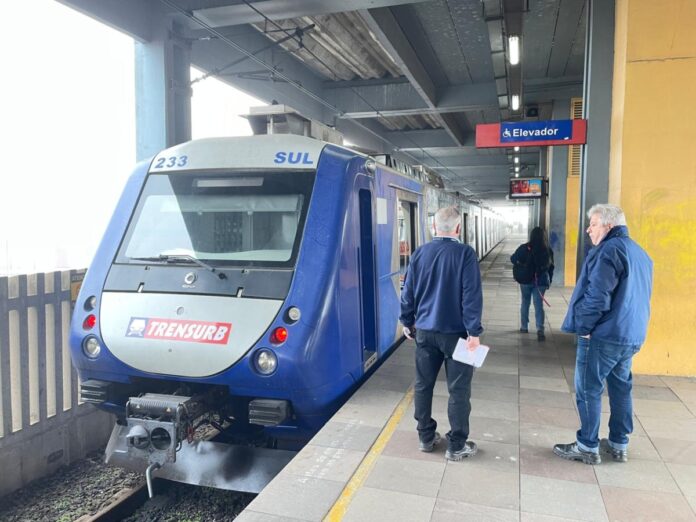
{"points": [[243, 289]]}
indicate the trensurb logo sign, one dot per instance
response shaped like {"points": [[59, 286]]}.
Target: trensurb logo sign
{"points": [[179, 330]]}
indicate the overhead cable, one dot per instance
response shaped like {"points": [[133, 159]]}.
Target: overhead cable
{"points": [[296, 84]]}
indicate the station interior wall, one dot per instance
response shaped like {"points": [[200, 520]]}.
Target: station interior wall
{"points": [[652, 167]]}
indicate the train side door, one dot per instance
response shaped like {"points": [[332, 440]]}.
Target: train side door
{"points": [[406, 229], [367, 269]]}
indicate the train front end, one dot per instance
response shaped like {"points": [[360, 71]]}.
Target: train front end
{"points": [[183, 315]]}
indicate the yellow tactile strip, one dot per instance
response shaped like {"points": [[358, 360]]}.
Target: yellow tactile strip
{"points": [[341, 505]]}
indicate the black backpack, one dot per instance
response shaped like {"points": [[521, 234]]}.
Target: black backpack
{"points": [[523, 269]]}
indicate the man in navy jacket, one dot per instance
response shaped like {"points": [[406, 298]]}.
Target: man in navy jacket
{"points": [[609, 312], [442, 301]]}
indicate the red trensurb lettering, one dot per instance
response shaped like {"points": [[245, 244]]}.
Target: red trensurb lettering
{"points": [[179, 330]]}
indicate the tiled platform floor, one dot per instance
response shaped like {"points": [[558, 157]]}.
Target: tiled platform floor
{"points": [[522, 403]]}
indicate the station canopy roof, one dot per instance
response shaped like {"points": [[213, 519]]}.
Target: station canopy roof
{"points": [[408, 77]]}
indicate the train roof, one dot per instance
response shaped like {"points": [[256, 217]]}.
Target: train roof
{"points": [[257, 152], [274, 151]]}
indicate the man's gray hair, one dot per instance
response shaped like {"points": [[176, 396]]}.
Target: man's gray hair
{"points": [[447, 219], [608, 214]]}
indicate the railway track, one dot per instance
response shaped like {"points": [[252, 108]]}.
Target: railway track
{"points": [[124, 504], [172, 502]]}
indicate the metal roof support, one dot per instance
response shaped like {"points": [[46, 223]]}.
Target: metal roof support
{"points": [[513, 11], [479, 160], [388, 32], [415, 140], [133, 17], [596, 106], [493, 15], [284, 9], [400, 99]]}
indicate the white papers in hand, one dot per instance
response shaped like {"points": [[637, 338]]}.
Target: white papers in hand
{"points": [[474, 358]]}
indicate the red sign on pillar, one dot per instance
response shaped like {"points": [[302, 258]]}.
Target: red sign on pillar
{"points": [[530, 134]]}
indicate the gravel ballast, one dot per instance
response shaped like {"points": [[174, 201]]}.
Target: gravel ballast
{"points": [[86, 486], [82, 488]]}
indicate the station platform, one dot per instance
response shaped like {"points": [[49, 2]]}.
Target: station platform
{"points": [[364, 465]]}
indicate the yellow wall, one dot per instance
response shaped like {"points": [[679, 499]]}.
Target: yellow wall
{"points": [[653, 166], [571, 228]]}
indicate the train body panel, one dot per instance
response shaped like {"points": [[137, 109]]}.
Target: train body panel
{"points": [[157, 340]]}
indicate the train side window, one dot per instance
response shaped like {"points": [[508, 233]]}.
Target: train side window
{"points": [[465, 228], [407, 236], [430, 232]]}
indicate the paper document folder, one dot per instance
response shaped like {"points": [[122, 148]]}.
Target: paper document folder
{"points": [[474, 358]]}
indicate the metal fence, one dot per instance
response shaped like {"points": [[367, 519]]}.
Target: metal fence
{"points": [[38, 385]]}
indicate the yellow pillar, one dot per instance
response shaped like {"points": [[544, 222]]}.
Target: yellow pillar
{"points": [[653, 166]]}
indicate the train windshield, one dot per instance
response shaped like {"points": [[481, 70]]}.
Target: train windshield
{"points": [[249, 219]]}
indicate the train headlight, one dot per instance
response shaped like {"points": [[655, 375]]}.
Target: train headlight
{"points": [[90, 303], [293, 314], [91, 347], [265, 361]]}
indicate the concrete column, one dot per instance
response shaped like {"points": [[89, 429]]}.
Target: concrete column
{"points": [[162, 89], [558, 178], [653, 178], [597, 97]]}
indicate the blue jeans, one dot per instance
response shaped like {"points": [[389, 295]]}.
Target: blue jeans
{"points": [[595, 362], [432, 350], [531, 292]]}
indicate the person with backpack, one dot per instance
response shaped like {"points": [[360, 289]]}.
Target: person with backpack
{"points": [[532, 268]]}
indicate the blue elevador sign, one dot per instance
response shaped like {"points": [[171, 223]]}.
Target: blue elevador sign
{"points": [[550, 130]]}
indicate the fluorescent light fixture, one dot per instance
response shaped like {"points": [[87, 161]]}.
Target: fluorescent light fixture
{"points": [[517, 174], [517, 168], [514, 50], [517, 159], [517, 149], [515, 102]]}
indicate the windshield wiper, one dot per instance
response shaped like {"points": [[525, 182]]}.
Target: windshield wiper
{"points": [[177, 258]]}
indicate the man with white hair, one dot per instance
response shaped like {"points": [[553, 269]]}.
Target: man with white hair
{"points": [[609, 312], [442, 301]]}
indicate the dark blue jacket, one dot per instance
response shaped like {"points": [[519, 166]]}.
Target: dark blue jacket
{"points": [[611, 300], [442, 291]]}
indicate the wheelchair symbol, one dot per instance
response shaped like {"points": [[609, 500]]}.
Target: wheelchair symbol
{"points": [[506, 133]]}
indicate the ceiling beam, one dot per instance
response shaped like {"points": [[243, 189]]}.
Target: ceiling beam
{"points": [[241, 13], [389, 33], [211, 55], [568, 19], [415, 140], [380, 99], [472, 160], [132, 17], [459, 98]]}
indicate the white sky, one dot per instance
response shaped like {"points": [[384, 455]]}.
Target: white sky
{"points": [[67, 132]]}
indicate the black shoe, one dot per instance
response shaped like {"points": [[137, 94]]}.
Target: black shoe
{"points": [[540, 336], [616, 454], [524, 330], [572, 452], [469, 450], [428, 447]]}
